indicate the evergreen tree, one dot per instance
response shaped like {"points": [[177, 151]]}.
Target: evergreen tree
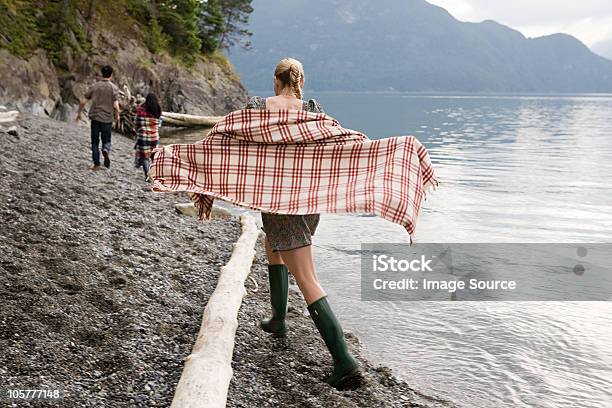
{"points": [[236, 13], [211, 24], [157, 39], [179, 20], [223, 24]]}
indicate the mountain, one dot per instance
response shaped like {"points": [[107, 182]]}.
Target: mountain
{"points": [[411, 45], [604, 48]]}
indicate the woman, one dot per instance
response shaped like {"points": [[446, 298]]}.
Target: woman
{"points": [[292, 165], [147, 132], [288, 244]]}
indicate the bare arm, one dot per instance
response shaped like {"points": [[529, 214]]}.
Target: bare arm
{"points": [[117, 110], [82, 103]]}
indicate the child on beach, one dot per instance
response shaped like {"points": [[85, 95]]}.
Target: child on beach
{"points": [[148, 121]]}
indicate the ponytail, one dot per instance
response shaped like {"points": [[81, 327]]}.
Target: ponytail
{"points": [[290, 73]]}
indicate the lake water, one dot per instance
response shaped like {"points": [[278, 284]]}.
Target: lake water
{"points": [[513, 169]]}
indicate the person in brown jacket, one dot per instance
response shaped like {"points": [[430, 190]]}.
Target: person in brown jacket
{"points": [[104, 96]]}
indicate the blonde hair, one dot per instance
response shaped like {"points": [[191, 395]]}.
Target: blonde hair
{"points": [[290, 72]]}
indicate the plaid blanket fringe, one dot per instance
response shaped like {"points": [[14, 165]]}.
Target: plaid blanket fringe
{"points": [[298, 162]]}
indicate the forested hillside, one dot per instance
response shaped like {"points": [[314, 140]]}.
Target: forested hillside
{"points": [[184, 28], [171, 47]]}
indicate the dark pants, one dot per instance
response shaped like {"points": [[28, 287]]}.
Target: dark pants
{"points": [[97, 129]]}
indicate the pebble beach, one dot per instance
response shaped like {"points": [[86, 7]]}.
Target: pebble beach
{"points": [[103, 285]]}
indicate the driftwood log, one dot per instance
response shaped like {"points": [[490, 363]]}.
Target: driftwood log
{"points": [[9, 116], [184, 120], [208, 371]]}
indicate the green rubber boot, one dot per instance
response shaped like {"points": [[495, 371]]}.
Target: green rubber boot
{"points": [[278, 276], [346, 370]]}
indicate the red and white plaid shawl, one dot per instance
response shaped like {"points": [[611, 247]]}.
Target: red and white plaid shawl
{"points": [[298, 162]]}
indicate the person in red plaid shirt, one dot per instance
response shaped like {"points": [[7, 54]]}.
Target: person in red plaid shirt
{"points": [[288, 246], [148, 121]]}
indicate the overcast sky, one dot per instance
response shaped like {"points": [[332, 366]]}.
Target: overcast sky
{"points": [[588, 20]]}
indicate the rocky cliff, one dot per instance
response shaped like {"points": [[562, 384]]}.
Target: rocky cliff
{"points": [[36, 83]]}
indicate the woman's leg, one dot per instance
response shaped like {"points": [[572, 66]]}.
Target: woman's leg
{"points": [[274, 258], [299, 262], [346, 370]]}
